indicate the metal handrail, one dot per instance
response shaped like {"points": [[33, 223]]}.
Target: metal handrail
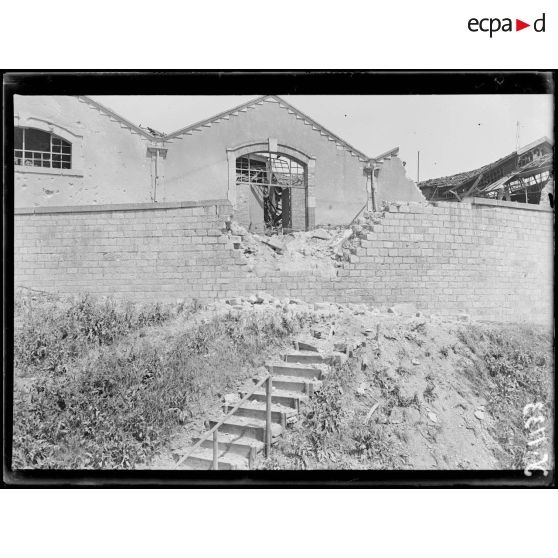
{"points": [[267, 379]]}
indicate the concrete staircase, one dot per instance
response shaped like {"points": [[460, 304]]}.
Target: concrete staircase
{"points": [[241, 438]]}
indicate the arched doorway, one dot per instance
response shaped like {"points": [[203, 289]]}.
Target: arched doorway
{"points": [[269, 187]]}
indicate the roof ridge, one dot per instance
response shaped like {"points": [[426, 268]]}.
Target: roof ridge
{"points": [[389, 153], [214, 117], [110, 112], [258, 100], [287, 105], [323, 128]]}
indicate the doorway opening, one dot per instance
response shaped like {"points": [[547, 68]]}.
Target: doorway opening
{"points": [[275, 193]]}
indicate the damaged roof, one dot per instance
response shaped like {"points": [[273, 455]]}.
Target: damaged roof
{"points": [[152, 131], [455, 180]]}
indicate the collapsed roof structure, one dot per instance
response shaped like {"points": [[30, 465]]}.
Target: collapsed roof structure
{"points": [[520, 176]]}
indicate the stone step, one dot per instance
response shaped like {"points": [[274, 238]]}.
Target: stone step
{"points": [[257, 409], [294, 383], [307, 371], [202, 459], [305, 357], [233, 444], [281, 396], [304, 346], [247, 427]]}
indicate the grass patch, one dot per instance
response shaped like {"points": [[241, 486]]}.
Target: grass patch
{"points": [[105, 397], [317, 440], [51, 333]]}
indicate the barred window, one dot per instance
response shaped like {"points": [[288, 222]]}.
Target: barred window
{"points": [[269, 169], [36, 148]]}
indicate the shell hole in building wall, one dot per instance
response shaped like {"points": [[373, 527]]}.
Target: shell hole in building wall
{"points": [[271, 192]]}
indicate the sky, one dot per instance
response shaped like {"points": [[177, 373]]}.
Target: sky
{"points": [[453, 133]]}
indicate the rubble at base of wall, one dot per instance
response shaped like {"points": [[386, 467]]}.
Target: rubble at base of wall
{"points": [[322, 250], [263, 300]]}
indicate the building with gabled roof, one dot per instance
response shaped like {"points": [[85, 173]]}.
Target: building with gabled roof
{"points": [[278, 167]]}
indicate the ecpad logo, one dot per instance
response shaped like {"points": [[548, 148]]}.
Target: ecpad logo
{"points": [[494, 24]]}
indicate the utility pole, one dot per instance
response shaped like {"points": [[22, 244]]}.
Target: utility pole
{"points": [[517, 143], [418, 167]]}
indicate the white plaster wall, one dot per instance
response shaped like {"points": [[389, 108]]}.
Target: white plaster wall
{"points": [[393, 184], [197, 165], [110, 163]]}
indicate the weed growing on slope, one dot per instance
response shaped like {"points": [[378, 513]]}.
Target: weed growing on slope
{"points": [[51, 334], [119, 405], [322, 420], [370, 442], [318, 438], [429, 394]]}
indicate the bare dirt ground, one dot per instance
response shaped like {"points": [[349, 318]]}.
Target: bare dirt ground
{"points": [[412, 369]]}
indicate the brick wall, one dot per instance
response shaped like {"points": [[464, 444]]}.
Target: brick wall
{"points": [[491, 259], [140, 254]]}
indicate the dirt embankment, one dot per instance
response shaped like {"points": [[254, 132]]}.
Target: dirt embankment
{"points": [[415, 391], [103, 386], [421, 392]]}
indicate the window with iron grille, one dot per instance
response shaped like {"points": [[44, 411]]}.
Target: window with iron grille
{"points": [[269, 170], [37, 148], [276, 182]]}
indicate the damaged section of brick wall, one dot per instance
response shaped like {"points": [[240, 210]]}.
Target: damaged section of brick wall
{"points": [[491, 259], [319, 249]]}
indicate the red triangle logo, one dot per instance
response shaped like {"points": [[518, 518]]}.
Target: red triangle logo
{"points": [[519, 25]]}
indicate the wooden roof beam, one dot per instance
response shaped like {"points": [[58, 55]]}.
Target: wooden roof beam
{"points": [[472, 189]]}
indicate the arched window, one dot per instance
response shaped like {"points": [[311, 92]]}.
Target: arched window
{"points": [[37, 148]]}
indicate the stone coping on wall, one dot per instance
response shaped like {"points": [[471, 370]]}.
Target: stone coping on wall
{"points": [[224, 202], [118, 207], [503, 203], [467, 202]]}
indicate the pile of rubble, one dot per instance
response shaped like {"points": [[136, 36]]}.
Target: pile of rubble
{"points": [[322, 249], [264, 301], [319, 249]]}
